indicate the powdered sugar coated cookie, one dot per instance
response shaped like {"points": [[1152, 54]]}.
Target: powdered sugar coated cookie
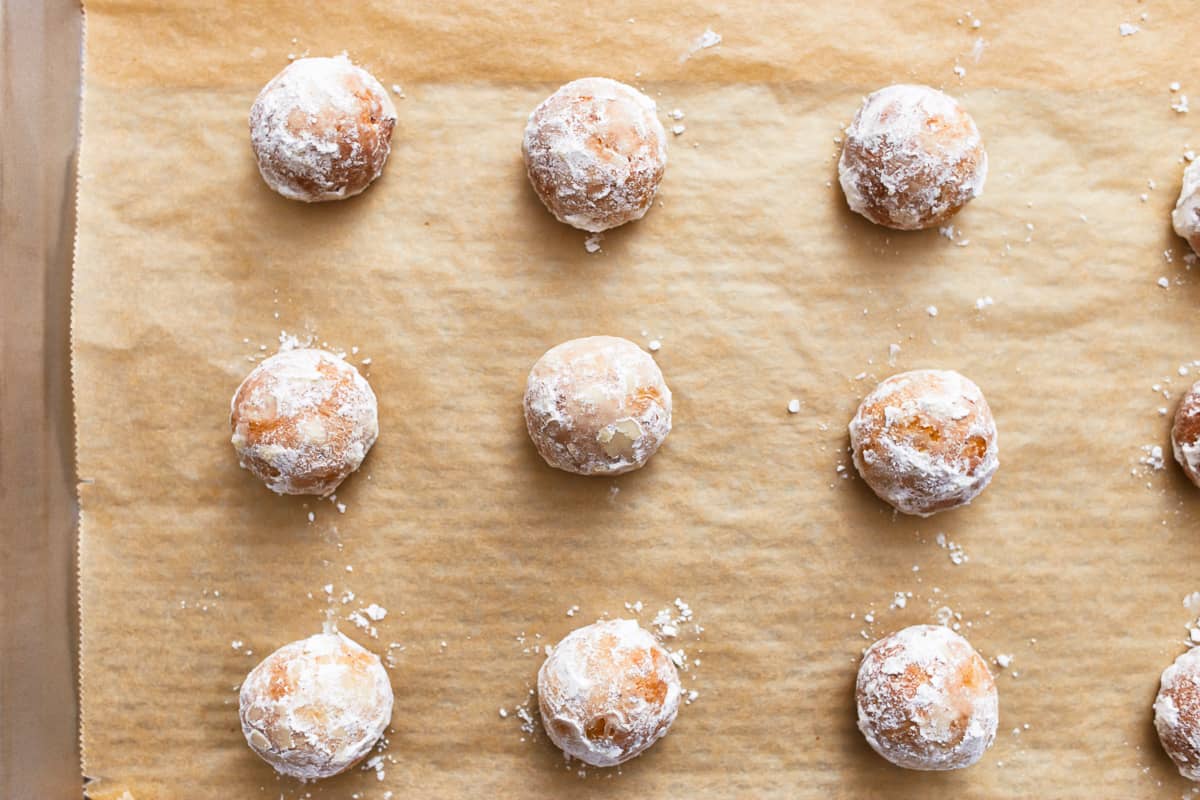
{"points": [[912, 158], [1186, 216], [321, 129], [315, 707], [926, 699], [595, 153], [925, 441], [607, 692], [597, 406], [303, 420]]}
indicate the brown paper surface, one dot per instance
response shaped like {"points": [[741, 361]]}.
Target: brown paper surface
{"points": [[761, 285]]}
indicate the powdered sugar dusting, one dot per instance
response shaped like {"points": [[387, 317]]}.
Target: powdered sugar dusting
{"points": [[607, 692], [303, 420], [321, 129], [597, 405], [315, 707], [915, 705], [595, 152], [916, 479], [709, 38], [1185, 432], [1177, 713], [911, 158], [1186, 216]]}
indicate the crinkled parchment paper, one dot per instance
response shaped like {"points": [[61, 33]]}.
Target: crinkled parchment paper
{"points": [[452, 279]]}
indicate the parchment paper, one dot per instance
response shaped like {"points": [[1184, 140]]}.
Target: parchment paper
{"points": [[761, 287]]}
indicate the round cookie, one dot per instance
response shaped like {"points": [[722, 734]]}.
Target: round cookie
{"points": [[912, 158], [1186, 216], [1185, 433], [595, 153], [926, 699], [925, 441], [315, 707], [321, 129], [597, 406], [303, 420], [1177, 713], [607, 692]]}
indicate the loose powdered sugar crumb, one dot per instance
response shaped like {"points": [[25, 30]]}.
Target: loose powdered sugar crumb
{"points": [[708, 39], [957, 555], [1152, 457]]}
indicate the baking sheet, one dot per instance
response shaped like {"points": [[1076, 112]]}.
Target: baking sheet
{"points": [[39, 74], [451, 278]]}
